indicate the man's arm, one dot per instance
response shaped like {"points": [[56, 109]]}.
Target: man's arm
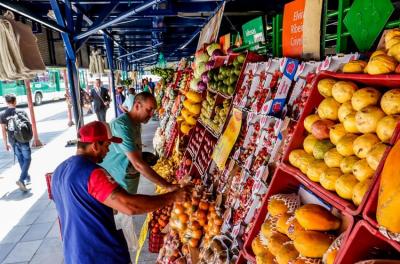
{"points": [[135, 157], [4, 133], [135, 204]]}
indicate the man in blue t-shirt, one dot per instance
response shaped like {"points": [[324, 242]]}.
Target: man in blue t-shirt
{"points": [[85, 196], [124, 161]]}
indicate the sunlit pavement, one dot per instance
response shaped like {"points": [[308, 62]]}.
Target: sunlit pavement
{"points": [[29, 231]]}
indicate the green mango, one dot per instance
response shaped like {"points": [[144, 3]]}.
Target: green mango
{"points": [[321, 147]]}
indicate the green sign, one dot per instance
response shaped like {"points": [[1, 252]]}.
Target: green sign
{"points": [[366, 20], [253, 32]]}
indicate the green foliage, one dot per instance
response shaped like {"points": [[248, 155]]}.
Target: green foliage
{"points": [[166, 74]]}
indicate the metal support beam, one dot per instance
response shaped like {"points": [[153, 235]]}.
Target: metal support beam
{"points": [[78, 9], [110, 59], [12, 6], [70, 58], [60, 20], [102, 17], [137, 51], [118, 19]]}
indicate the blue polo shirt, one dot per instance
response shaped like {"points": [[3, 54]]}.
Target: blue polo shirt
{"points": [[87, 226]]}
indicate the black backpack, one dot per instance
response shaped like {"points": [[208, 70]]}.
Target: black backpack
{"points": [[22, 127]]}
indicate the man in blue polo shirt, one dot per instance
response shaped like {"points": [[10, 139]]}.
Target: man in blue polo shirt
{"points": [[85, 196]]}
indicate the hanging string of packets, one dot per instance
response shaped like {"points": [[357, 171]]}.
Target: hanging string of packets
{"points": [[20, 58]]}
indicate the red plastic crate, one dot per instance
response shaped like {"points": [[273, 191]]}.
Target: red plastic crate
{"points": [[156, 242], [369, 213], [286, 181], [48, 183], [365, 242], [241, 259], [300, 133]]}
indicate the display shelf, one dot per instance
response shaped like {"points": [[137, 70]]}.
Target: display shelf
{"points": [[209, 130], [300, 133], [286, 181], [364, 243]]}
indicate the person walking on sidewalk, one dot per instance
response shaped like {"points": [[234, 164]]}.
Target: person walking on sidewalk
{"points": [[12, 121], [101, 100], [85, 196], [125, 162]]}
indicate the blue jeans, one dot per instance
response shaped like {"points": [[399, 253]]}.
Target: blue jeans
{"points": [[23, 153]]}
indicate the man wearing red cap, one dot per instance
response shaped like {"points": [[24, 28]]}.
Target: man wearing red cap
{"points": [[85, 196]]}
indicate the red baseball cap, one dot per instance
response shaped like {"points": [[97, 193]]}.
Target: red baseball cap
{"points": [[96, 131]]}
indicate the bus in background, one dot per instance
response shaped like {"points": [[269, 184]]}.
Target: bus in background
{"points": [[48, 86]]}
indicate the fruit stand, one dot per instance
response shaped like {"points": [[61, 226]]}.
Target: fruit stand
{"points": [[291, 161]]}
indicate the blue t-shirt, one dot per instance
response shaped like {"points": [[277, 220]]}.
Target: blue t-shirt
{"points": [[87, 226], [116, 162]]}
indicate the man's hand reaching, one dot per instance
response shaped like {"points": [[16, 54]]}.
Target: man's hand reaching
{"points": [[181, 195]]}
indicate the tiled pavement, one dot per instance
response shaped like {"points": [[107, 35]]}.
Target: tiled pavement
{"points": [[34, 235]]}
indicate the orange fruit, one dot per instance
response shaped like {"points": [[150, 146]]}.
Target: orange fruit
{"points": [[183, 218]]}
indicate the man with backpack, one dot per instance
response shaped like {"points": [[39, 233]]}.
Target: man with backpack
{"points": [[17, 133]]}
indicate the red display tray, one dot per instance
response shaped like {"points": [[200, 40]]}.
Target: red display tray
{"points": [[286, 181], [365, 242], [241, 259], [300, 133]]}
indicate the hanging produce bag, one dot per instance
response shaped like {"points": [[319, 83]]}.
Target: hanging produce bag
{"points": [[28, 46]]}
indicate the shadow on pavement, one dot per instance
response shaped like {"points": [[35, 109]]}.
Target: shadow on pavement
{"points": [[16, 195]]}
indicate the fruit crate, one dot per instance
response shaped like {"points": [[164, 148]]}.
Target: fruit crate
{"points": [[203, 157], [195, 140], [285, 180], [300, 133], [365, 242], [171, 142]]}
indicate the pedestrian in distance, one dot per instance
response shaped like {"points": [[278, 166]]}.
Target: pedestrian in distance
{"points": [[128, 103], [85, 196], [119, 100], [125, 161], [17, 133], [101, 100]]}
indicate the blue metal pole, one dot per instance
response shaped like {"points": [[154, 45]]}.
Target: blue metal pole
{"points": [[109, 49], [70, 58], [74, 91]]}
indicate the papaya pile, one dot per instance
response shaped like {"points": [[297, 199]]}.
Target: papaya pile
{"points": [[290, 234], [347, 137]]}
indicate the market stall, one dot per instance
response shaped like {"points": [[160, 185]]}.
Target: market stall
{"points": [[292, 161]]}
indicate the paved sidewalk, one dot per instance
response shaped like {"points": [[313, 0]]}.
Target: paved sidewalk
{"points": [[29, 231]]}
